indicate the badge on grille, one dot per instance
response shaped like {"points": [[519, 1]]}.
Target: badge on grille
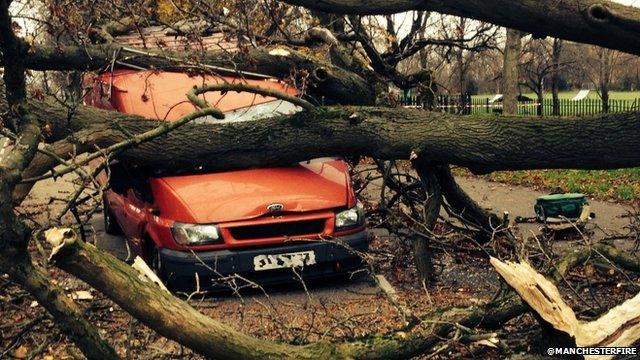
{"points": [[274, 208]]}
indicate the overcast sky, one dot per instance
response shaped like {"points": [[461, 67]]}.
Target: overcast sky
{"points": [[629, 2]]}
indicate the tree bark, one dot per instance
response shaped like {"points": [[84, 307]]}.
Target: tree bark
{"points": [[431, 210], [479, 143], [510, 84], [604, 95], [555, 75], [14, 234], [576, 257], [605, 24], [540, 99]]}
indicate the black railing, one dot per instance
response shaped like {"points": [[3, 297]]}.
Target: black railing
{"points": [[466, 104]]}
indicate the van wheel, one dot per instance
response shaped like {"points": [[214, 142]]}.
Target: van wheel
{"points": [[111, 226], [153, 259]]}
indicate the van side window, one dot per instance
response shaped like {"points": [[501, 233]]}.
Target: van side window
{"points": [[140, 184], [118, 178], [125, 177]]}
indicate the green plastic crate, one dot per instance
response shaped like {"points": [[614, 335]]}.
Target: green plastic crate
{"points": [[560, 206]]}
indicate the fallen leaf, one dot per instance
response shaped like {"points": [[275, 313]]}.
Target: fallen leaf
{"points": [[81, 295], [279, 52], [21, 352], [488, 343]]}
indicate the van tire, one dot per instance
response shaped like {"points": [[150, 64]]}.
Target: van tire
{"points": [[111, 225], [152, 257]]}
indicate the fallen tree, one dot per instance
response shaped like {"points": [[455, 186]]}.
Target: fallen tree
{"points": [[481, 143]]}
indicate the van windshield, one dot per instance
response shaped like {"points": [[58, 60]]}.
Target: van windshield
{"points": [[255, 112]]}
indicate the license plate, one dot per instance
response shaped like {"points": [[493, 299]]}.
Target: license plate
{"points": [[280, 261]]}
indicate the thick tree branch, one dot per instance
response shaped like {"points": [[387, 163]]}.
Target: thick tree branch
{"points": [[326, 82], [596, 22], [68, 316], [431, 210], [177, 320], [481, 143], [576, 257], [463, 206]]}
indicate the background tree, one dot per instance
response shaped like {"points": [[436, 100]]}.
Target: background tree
{"points": [[602, 66], [541, 66], [555, 76], [510, 80]]}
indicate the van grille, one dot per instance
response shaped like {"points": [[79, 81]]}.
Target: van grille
{"points": [[284, 229]]}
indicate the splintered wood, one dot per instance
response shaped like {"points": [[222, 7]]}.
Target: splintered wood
{"points": [[619, 327]]}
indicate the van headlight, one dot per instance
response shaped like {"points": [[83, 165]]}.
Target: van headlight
{"points": [[350, 218], [194, 234]]}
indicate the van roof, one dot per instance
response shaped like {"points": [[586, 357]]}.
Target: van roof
{"points": [[155, 37]]}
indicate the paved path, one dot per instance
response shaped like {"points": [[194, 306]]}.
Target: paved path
{"points": [[519, 201]]}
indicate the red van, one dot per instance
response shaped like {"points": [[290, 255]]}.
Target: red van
{"points": [[262, 224]]}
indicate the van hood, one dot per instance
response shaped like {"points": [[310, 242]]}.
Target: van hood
{"points": [[245, 194]]}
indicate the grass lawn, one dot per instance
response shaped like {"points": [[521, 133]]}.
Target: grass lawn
{"points": [[613, 95], [622, 184]]}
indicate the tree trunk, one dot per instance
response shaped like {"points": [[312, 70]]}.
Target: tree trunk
{"points": [[510, 88], [540, 100], [604, 95], [477, 142], [555, 76]]}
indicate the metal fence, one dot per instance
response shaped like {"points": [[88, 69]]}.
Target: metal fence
{"points": [[465, 104]]}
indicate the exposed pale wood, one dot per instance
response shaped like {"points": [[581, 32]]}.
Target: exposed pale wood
{"points": [[386, 286], [145, 271], [539, 293], [619, 327]]}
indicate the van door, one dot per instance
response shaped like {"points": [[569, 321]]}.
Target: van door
{"points": [[138, 201], [133, 218], [116, 196]]}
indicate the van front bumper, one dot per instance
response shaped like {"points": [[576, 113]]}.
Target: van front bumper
{"points": [[215, 269]]}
